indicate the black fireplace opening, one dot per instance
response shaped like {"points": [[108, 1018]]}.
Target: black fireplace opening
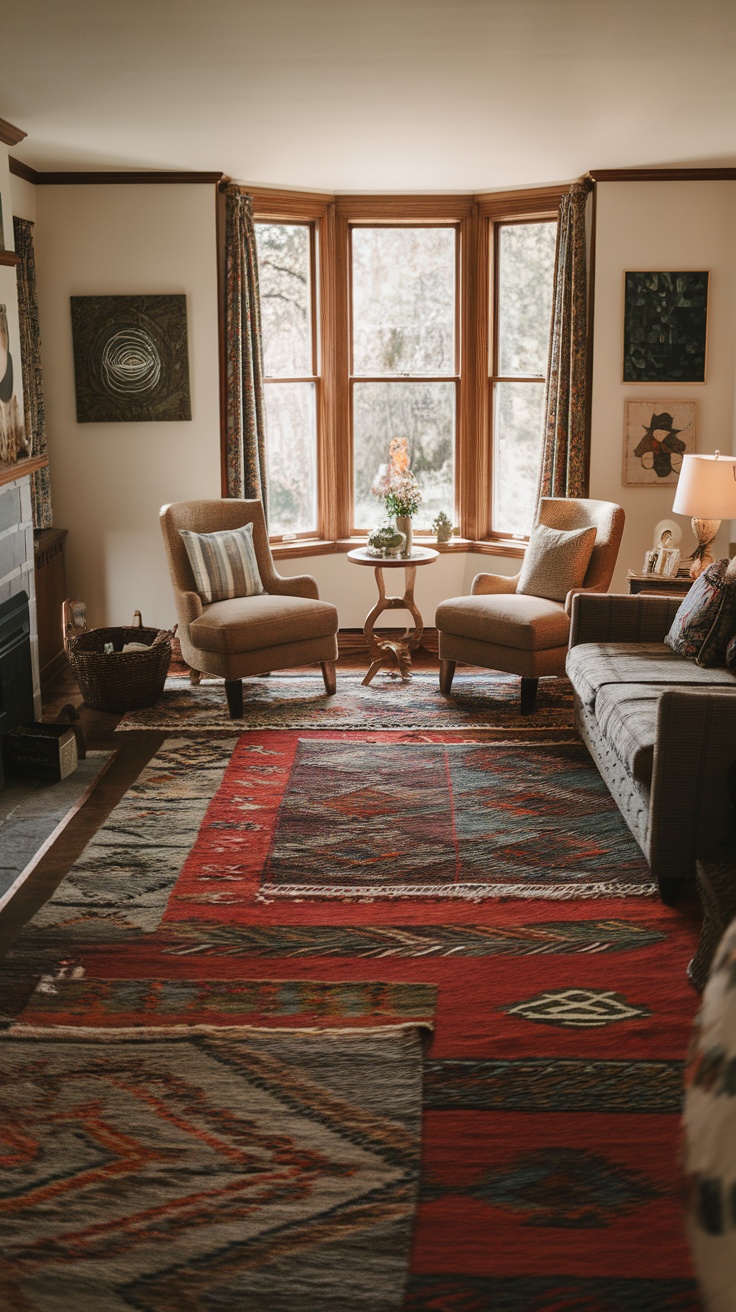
{"points": [[16, 670]]}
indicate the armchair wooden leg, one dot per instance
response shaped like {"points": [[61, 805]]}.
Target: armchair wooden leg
{"points": [[330, 677], [195, 677], [234, 694], [447, 671], [528, 695]]}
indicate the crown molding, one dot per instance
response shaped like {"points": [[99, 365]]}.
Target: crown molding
{"points": [[10, 134], [663, 175], [70, 179]]}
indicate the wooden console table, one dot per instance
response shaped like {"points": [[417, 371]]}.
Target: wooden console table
{"points": [[664, 585], [387, 652]]}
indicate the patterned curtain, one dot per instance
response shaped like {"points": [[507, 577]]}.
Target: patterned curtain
{"points": [[30, 351], [564, 467], [244, 400]]}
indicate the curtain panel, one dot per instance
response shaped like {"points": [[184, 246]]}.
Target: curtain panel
{"points": [[245, 447], [30, 351], [564, 465]]}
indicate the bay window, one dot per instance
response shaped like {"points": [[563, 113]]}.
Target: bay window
{"points": [[419, 317]]}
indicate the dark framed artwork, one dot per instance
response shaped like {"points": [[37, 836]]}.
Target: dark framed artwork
{"points": [[665, 321], [131, 362]]}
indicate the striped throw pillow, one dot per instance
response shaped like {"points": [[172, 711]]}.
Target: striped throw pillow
{"points": [[224, 564]]}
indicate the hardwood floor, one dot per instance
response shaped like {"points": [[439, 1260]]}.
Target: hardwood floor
{"points": [[132, 752]]}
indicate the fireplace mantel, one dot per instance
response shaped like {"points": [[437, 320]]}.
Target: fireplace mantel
{"points": [[23, 468]]}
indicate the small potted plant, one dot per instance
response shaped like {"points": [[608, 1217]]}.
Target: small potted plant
{"points": [[442, 527]]}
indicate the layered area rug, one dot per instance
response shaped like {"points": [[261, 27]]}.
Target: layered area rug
{"points": [[198, 1167], [552, 1090], [485, 701]]}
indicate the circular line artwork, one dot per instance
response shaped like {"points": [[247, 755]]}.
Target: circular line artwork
{"points": [[130, 358], [130, 362]]}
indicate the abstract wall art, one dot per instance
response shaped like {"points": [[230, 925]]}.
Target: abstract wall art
{"points": [[130, 358], [13, 442], [665, 327], [657, 435]]}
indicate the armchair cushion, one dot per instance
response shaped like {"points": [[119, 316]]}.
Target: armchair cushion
{"points": [[243, 624], [507, 620], [224, 564], [556, 561]]}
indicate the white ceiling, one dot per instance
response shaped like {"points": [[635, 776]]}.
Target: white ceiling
{"points": [[381, 95]]}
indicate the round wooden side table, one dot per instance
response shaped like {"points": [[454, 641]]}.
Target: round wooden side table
{"points": [[388, 652]]}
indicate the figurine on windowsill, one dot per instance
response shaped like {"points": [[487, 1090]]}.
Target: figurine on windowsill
{"points": [[442, 527]]}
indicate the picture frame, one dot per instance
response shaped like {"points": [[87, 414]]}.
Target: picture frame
{"points": [[131, 360], [665, 326], [657, 434]]}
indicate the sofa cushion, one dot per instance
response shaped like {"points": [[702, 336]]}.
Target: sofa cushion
{"points": [[252, 623], [555, 561], [224, 563], [626, 716], [506, 619], [706, 620], [592, 665]]}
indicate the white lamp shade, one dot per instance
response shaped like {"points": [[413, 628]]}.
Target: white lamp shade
{"points": [[706, 488]]}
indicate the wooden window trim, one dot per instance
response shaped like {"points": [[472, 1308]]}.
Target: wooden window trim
{"points": [[476, 217]]}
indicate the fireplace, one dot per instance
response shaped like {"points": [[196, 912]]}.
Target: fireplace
{"points": [[16, 672]]}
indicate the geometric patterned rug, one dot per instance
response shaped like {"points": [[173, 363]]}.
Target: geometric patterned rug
{"points": [[485, 701], [553, 1084], [453, 820], [195, 1168]]}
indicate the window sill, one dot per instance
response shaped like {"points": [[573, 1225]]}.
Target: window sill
{"points": [[319, 547]]}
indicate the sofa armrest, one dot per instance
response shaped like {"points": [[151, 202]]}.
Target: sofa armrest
{"points": [[611, 617], [695, 746]]}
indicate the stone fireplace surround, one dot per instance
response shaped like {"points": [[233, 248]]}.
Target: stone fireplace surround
{"points": [[16, 561]]}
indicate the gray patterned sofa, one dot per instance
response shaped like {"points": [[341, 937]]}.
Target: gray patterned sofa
{"points": [[661, 729]]}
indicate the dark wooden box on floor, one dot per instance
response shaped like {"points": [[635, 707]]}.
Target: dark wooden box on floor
{"points": [[41, 751]]}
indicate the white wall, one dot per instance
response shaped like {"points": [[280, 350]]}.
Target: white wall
{"points": [[109, 480], [667, 226]]}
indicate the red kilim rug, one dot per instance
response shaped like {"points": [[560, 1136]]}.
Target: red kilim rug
{"points": [[553, 1081]]}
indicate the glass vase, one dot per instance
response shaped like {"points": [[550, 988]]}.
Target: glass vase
{"points": [[403, 525]]}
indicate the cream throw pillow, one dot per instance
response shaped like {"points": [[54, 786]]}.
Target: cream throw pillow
{"points": [[556, 560]]}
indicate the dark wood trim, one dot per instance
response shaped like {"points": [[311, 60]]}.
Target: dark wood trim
{"points": [[220, 204], [9, 473], [102, 178], [22, 170], [10, 134], [270, 203], [9, 257], [534, 203], [663, 175]]}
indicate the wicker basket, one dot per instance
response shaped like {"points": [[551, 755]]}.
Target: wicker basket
{"points": [[120, 681]]}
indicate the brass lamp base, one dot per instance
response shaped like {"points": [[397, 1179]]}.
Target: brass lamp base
{"points": [[705, 531]]}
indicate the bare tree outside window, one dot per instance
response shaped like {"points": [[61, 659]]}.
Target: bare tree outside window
{"points": [[523, 287], [404, 372], [285, 278]]}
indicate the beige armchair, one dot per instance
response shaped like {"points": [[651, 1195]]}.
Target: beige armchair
{"points": [[286, 625], [502, 629]]}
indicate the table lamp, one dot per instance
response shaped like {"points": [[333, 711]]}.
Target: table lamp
{"points": [[706, 490]]}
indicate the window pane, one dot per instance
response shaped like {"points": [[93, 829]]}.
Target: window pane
{"points": [[518, 424], [526, 257], [403, 293], [291, 457], [423, 413], [284, 279]]}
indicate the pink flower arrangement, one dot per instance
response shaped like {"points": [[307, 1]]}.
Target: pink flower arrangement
{"points": [[395, 484]]}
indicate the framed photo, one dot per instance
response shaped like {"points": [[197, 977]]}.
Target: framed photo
{"points": [[665, 318], [130, 358], [657, 434]]}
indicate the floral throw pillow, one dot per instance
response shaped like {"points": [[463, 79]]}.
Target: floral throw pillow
{"points": [[706, 620]]}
